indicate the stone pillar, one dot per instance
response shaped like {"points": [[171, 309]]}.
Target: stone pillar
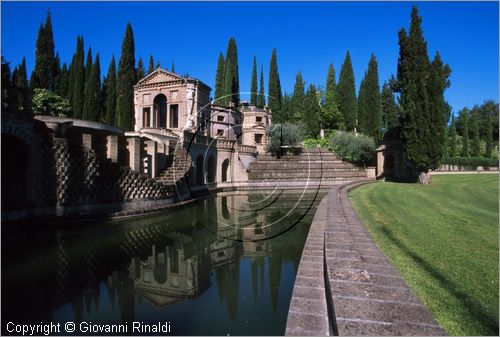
{"points": [[87, 141], [151, 149], [112, 148], [134, 150]]}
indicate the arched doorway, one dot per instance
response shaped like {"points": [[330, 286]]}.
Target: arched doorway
{"points": [[211, 170], [225, 170], [14, 166], [199, 171], [160, 110]]}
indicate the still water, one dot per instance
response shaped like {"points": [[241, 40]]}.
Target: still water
{"points": [[225, 265]]}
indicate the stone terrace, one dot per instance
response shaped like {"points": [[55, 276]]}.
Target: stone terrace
{"points": [[346, 286]]}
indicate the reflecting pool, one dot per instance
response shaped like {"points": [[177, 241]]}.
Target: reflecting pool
{"points": [[223, 265]]}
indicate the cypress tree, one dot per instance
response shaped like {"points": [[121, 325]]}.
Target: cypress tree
{"points": [[362, 106], [56, 72], [125, 81], [374, 111], [274, 86], [173, 67], [453, 138], [298, 103], [346, 92], [421, 86], [22, 75], [140, 69], [91, 106], [77, 79], [109, 116], [489, 137], [253, 85], [158, 65], [63, 82], [219, 80], [228, 83], [389, 108], [476, 142], [43, 76], [151, 66], [311, 112], [88, 65], [331, 117], [231, 78], [261, 101], [465, 132]]}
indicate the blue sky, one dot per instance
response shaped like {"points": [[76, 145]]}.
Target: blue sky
{"points": [[307, 36]]}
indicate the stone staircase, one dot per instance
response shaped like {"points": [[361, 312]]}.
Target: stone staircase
{"points": [[180, 167], [316, 166]]}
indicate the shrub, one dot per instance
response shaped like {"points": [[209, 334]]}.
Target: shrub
{"points": [[49, 104], [324, 143], [470, 162], [287, 135], [351, 147]]}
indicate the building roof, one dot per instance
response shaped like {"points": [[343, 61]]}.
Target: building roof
{"points": [[163, 76]]}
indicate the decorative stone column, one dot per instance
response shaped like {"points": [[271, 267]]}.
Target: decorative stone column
{"points": [[151, 149]]}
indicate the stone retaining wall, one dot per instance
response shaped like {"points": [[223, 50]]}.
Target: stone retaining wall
{"points": [[367, 295]]}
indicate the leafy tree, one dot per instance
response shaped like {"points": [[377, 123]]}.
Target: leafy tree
{"points": [[253, 85], [219, 80], [489, 138], [279, 135], [43, 76], [77, 79], [109, 116], [346, 93], [50, 104], [274, 90], [125, 82], [331, 116], [453, 138], [465, 132], [356, 148], [298, 103], [311, 112], [369, 108], [231, 78], [151, 66], [92, 105], [390, 114], [421, 86], [261, 100], [140, 69]]}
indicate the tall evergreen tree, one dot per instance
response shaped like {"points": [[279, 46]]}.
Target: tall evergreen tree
{"points": [[253, 85], [88, 65], [476, 141], [421, 86], [489, 137], [311, 112], [92, 106], [43, 76], [219, 80], [231, 78], [274, 86], [464, 116], [363, 107], [109, 116], [331, 116], [63, 82], [373, 115], [158, 65], [173, 67], [453, 138], [228, 76], [56, 72], [261, 100], [346, 92], [390, 114], [22, 75], [298, 102], [77, 79], [140, 69], [151, 66], [125, 82]]}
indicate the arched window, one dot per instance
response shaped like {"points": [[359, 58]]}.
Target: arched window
{"points": [[225, 170]]}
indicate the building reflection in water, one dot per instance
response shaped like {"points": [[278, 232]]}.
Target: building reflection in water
{"points": [[106, 270]]}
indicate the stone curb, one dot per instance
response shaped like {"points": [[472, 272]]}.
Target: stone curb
{"points": [[364, 294]]}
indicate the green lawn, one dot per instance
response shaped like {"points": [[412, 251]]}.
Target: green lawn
{"points": [[443, 240]]}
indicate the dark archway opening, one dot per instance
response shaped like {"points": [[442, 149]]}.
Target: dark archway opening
{"points": [[211, 170], [14, 167], [199, 171], [225, 170], [160, 110]]}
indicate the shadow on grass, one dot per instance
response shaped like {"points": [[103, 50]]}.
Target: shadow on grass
{"points": [[488, 322]]}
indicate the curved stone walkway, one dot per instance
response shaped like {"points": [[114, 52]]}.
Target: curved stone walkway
{"points": [[346, 286]]}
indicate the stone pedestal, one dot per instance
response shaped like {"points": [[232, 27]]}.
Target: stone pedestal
{"points": [[134, 150], [151, 149]]}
